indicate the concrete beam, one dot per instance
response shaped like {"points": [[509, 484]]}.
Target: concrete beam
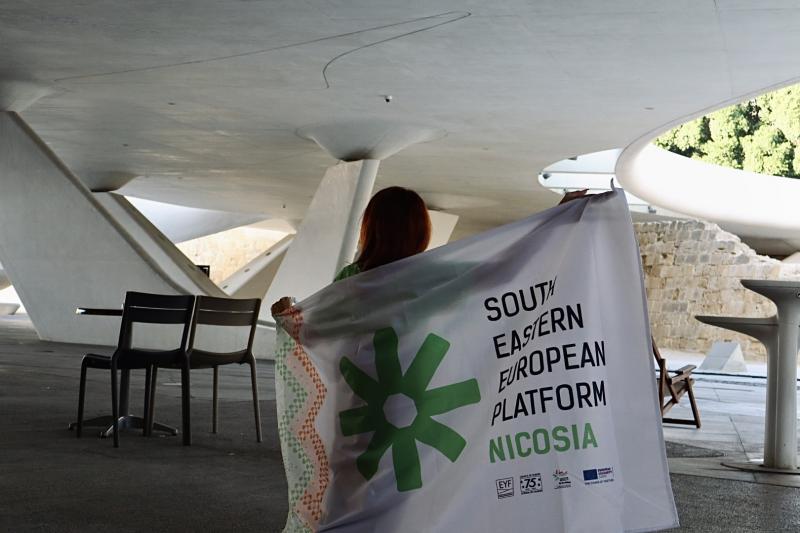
{"points": [[254, 278], [180, 223]]}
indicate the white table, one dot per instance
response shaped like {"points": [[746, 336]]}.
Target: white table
{"points": [[779, 334]]}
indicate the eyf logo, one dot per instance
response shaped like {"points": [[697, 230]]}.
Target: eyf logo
{"points": [[399, 408], [505, 487]]}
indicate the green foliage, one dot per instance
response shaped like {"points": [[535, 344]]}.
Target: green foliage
{"points": [[727, 152], [760, 135], [767, 151], [783, 108], [687, 139]]}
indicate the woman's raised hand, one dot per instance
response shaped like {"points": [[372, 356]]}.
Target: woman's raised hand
{"points": [[573, 195], [281, 305]]}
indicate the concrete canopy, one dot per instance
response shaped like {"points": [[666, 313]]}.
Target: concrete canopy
{"points": [[202, 100]]}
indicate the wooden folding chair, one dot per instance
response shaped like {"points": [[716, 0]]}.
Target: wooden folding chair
{"points": [[672, 387]]}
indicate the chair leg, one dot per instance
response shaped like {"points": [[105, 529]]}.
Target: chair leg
{"points": [[215, 402], [693, 403], [115, 404], [151, 413], [148, 373], [185, 405], [256, 408], [81, 398]]}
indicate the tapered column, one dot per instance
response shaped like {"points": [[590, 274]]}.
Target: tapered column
{"points": [[786, 396], [328, 235], [363, 190], [783, 372], [766, 331]]}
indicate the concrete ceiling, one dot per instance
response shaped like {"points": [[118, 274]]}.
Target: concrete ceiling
{"points": [[203, 100]]}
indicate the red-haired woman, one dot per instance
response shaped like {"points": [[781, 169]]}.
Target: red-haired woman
{"points": [[395, 225]]}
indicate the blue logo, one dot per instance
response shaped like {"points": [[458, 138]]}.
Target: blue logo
{"points": [[596, 476]]}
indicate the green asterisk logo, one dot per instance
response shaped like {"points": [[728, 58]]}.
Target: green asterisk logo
{"points": [[412, 386]]}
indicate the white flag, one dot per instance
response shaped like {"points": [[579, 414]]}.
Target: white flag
{"points": [[501, 383]]}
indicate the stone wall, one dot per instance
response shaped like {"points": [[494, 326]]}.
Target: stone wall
{"points": [[693, 268]]}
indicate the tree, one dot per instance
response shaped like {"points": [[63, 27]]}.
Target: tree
{"points": [[727, 152], [781, 110], [767, 151], [687, 139], [760, 135]]}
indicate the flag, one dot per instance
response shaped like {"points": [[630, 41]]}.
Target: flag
{"points": [[501, 383]]}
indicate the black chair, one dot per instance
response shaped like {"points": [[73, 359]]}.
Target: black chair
{"points": [[140, 308], [228, 312]]}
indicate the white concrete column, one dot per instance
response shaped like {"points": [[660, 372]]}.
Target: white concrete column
{"points": [[328, 235], [59, 247], [365, 182], [785, 444], [63, 247], [780, 446]]}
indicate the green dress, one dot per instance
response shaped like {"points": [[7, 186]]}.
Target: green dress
{"points": [[346, 272]]}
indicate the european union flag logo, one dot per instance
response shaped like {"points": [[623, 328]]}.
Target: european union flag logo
{"points": [[590, 475]]}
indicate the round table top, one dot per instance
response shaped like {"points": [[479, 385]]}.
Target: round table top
{"points": [[785, 294], [772, 283], [737, 320]]}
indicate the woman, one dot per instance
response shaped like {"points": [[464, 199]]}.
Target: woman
{"points": [[395, 225]]}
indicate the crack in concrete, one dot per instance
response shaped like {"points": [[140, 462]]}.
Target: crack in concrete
{"points": [[463, 15], [276, 48]]}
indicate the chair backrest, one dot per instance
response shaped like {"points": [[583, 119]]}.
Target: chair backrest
{"points": [[663, 375], [662, 363], [146, 308], [214, 311]]}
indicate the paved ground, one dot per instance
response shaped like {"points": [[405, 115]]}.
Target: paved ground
{"points": [[51, 481]]}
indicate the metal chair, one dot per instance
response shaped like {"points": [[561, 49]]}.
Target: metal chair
{"points": [[139, 308], [227, 312]]}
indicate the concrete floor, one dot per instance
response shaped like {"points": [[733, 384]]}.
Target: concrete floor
{"points": [[51, 481]]}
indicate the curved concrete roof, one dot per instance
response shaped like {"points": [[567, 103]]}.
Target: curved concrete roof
{"points": [[202, 100], [762, 209]]}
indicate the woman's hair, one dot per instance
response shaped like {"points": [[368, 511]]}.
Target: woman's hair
{"points": [[395, 225]]}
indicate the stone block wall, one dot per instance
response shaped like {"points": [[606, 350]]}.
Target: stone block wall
{"points": [[693, 268]]}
